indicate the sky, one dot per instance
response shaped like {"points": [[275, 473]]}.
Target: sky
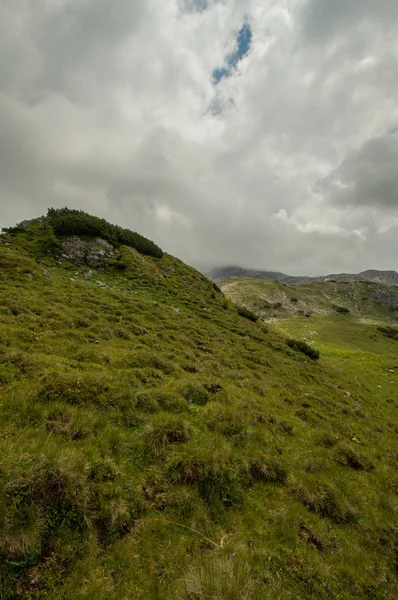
{"points": [[260, 133]]}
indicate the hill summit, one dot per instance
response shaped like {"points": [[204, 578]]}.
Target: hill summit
{"points": [[158, 441]]}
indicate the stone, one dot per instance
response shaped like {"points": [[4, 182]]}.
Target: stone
{"points": [[95, 254]]}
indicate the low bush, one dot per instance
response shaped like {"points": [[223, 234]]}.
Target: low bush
{"points": [[246, 313], [301, 346], [390, 332], [341, 310], [65, 221]]}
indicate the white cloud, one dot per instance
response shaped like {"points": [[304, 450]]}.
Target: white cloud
{"points": [[104, 105]]}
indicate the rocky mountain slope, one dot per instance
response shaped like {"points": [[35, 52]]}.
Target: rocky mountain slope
{"points": [[384, 277], [155, 444], [275, 300]]}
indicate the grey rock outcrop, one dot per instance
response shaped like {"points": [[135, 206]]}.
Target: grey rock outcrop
{"points": [[95, 254]]}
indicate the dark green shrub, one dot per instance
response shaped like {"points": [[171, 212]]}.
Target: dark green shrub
{"points": [[390, 332], [65, 221], [294, 300], [303, 347], [248, 314], [341, 310]]}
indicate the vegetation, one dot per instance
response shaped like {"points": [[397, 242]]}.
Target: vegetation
{"points": [[248, 314], [65, 221], [390, 332], [154, 444], [274, 300], [343, 310], [303, 347]]}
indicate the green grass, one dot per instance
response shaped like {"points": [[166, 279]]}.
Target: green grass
{"points": [[154, 444]]}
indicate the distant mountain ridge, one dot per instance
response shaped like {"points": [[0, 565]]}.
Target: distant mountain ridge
{"points": [[371, 275]]}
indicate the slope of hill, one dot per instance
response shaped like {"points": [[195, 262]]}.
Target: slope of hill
{"points": [[384, 277], [155, 444], [272, 300]]}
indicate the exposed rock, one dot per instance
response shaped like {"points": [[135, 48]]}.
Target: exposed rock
{"points": [[95, 254], [385, 297]]}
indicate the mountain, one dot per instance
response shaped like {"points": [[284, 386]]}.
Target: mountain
{"points": [[272, 300], [224, 273], [157, 442]]}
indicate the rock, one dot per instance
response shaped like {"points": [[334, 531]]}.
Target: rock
{"points": [[177, 310], [95, 254]]}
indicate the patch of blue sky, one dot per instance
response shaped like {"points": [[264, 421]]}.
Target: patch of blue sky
{"points": [[190, 6], [243, 45]]}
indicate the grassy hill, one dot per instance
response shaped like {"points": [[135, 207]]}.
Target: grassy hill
{"points": [[154, 444]]}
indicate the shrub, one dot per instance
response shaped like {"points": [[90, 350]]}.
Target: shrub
{"points": [[390, 332], [216, 288], [248, 314], [65, 221], [301, 346], [294, 300], [341, 310]]}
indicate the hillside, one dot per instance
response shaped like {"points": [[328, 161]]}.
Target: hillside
{"points": [[276, 300], [372, 276], [154, 444]]}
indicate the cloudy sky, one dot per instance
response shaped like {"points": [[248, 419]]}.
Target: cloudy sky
{"points": [[262, 133]]}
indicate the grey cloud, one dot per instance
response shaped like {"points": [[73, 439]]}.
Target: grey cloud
{"points": [[324, 20], [367, 176], [104, 106]]}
